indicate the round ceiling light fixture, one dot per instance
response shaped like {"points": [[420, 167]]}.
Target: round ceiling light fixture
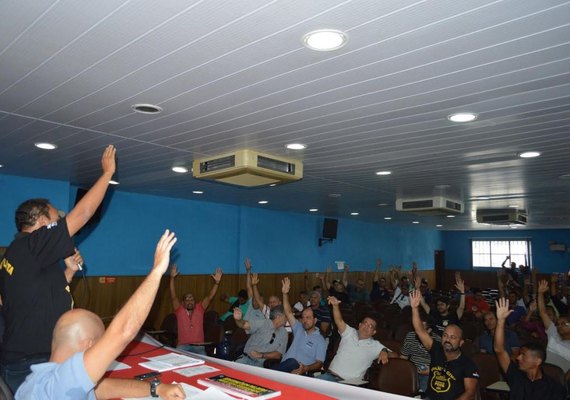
{"points": [[313, 209], [262, 202], [383, 173], [529, 154], [45, 146], [325, 40], [146, 108], [296, 146], [462, 117], [180, 170]]}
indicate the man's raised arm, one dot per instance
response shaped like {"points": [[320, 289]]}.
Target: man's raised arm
{"points": [[424, 337], [217, 277], [285, 287], [337, 315], [499, 343]]}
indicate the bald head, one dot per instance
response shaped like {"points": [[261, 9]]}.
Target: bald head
{"points": [[75, 331]]}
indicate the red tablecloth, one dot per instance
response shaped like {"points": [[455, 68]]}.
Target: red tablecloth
{"points": [[135, 352]]}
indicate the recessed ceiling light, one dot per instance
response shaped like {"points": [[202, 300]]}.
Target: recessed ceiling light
{"points": [[353, 213], [113, 182], [262, 202], [180, 170], [565, 176], [462, 117], [334, 195], [272, 185], [325, 40], [529, 154], [451, 216], [296, 146], [415, 222], [197, 192], [387, 218], [45, 146], [382, 204], [513, 226], [146, 108], [438, 225], [1, 165], [313, 209], [383, 172]]}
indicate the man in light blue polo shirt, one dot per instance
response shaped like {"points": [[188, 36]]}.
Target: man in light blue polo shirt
{"points": [[308, 350]]}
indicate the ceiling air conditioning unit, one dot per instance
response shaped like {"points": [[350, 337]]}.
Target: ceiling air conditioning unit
{"points": [[248, 168], [435, 205], [506, 216]]}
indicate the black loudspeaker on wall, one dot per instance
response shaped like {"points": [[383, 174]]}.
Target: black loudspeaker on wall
{"points": [[329, 228]]}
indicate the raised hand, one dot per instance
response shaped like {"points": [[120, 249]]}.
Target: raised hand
{"points": [[108, 162], [217, 276], [174, 271], [254, 279], [415, 298], [162, 252], [247, 264], [459, 283], [75, 261], [417, 282], [542, 286], [333, 301], [285, 285], [503, 308]]}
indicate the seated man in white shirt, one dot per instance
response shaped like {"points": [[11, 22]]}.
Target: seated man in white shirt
{"points": [[82, 349], [357, 349]]}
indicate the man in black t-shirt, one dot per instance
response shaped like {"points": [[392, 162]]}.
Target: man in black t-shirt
{"points": [[452, 375], [33, 287], [527, 381]]}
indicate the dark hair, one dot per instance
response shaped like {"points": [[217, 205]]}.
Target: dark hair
{"points": [[372, 317], [442, 299], [29, 211], [537, 349], [243, 294]]}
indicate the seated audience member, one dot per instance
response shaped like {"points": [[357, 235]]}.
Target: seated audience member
{"points": [[485, 341], [336, 288], [558, 332], [476, 304], [527, 381], [357, 349], [426, 293], [531, 324], [452, 374], [189, 315], [302, 303], [308, 349], [82, 349], [402, 294], [267, 337], [441, 315], [240, 301], [357, 293], [379, 289], [518, 311], [322, 313], [273, 302], [254, 309], [412, 349]]}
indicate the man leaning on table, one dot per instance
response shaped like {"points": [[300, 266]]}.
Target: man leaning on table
{"points": [[82, 349], [527, 381]]}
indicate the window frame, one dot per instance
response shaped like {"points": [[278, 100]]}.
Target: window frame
{"points": [[509, 240]]}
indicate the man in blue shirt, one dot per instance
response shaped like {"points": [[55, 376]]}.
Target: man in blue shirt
{"points": [[308, 350]]}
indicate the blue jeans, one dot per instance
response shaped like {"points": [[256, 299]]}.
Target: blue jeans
{"points": [[327, 376], [286, 366], [15, 373], [423, 382], [192, 348]]}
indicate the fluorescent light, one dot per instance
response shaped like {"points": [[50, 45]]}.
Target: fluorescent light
{"points": [[387, 218], [439, 225], [262, 202], [353, 213], [146, 108], [45, 146], [272, 185], [296, 146], [529, 154], [112, 182], [383, 172], [313, 209], [325, 40], [197, 192], [462, 117], [180, 170], [451, 216], [415, 222]]}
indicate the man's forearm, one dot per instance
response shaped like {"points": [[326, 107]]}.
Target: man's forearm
{"points": [[316, 366]]}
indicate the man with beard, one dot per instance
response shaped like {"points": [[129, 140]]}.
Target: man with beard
{"points": [[452, 375], [485, 341], [308, 350], [189, 316]]}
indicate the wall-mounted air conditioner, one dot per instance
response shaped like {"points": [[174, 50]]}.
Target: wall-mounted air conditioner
{"points": [[434, 205], [508, 216]]}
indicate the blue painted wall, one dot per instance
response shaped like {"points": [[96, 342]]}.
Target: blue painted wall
{"points": [[457, 246], [212, 235]]}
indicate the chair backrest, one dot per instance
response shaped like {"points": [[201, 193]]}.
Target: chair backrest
{"points": [[402, 330], [392, 344], [5, 392], [399, 376], [555, 372], [489, 373]]}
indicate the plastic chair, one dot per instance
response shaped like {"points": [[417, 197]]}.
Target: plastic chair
{"points": [[555, 372]]}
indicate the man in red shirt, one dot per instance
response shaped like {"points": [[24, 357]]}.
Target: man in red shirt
{"points": [[475, 304], [189, 315]]}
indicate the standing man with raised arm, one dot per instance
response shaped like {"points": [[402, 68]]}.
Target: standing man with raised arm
{"points": [[189, 315], [308, 349], [452, 375], [82, 350], [527, 381], [33, 287]]}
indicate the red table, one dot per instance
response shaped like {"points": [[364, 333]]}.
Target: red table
{"points": [[135, 352]]}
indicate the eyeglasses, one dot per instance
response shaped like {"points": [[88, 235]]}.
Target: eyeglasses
{"points": [[272, 338]]}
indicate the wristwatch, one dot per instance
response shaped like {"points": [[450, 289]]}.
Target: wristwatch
{"points": [[153, 385]]}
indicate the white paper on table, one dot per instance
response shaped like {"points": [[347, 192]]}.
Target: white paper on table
{"points": [[199, 370], [117, 366]]}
